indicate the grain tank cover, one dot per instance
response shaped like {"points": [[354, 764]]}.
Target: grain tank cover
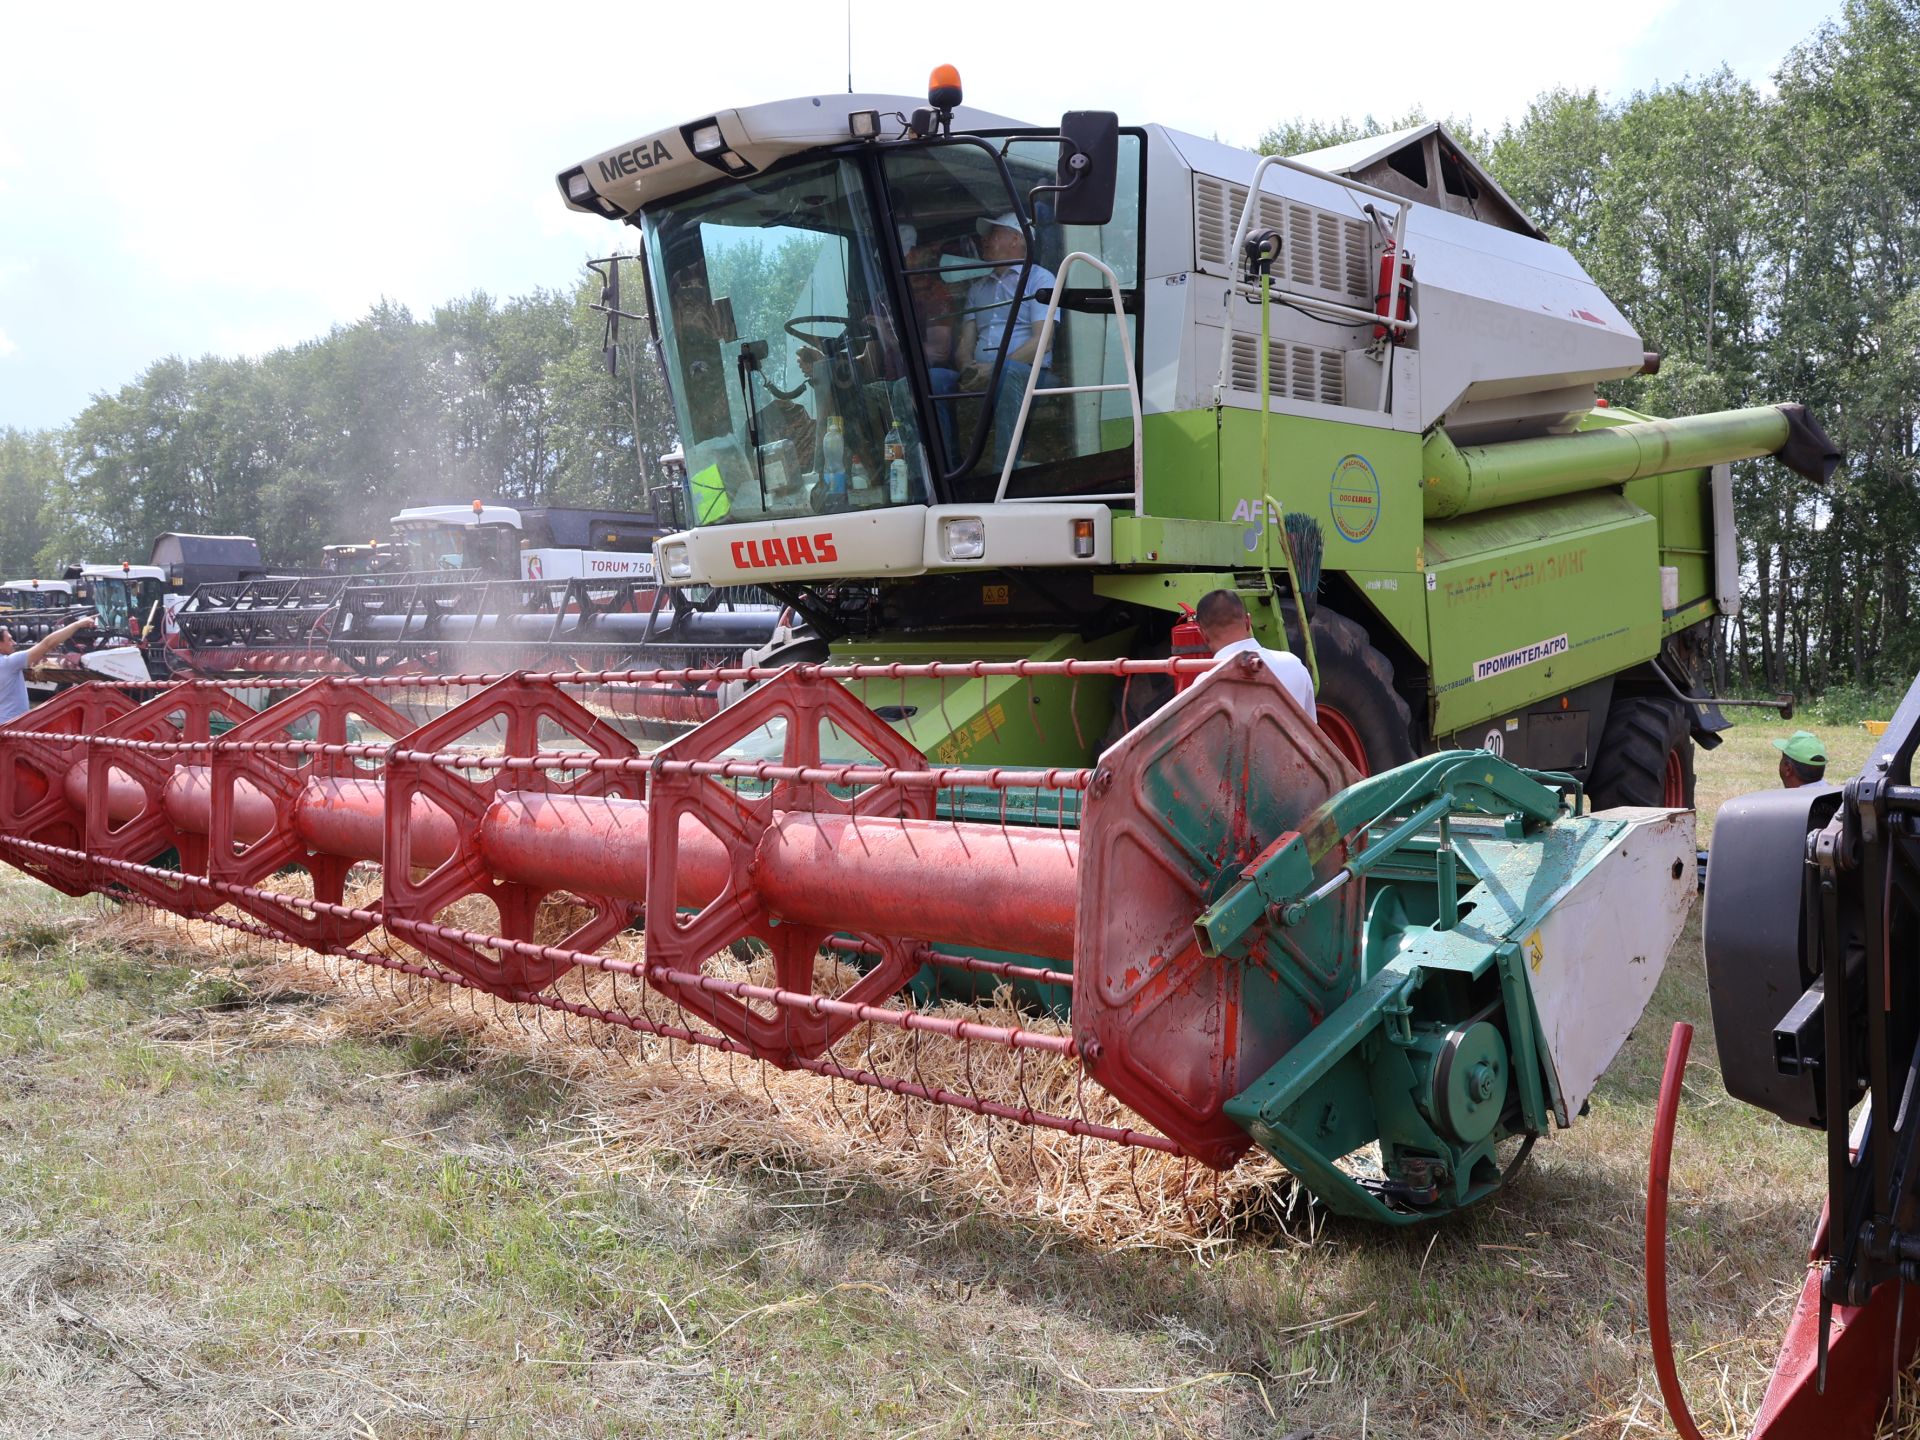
{"points": [[1426, 163], [226, 552]]}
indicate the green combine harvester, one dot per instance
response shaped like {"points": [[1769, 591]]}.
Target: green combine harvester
{"points": [[958, 390]]}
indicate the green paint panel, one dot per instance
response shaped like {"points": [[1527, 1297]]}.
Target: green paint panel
{"points": [[1001, 720], [1400, 599], [1361, 483], [1536, 599], [1180, 453]]}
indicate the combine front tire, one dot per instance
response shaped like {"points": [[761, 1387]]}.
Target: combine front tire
{"points": [[1359, 710], [1646, 756]]}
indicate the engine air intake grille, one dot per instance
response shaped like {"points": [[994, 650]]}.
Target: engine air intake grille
{"points": [[1300, 372], [1322, 252]]}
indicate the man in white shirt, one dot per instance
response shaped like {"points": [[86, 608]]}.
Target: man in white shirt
{"points": [[999, 306], [14, 663], [1228, 629]]}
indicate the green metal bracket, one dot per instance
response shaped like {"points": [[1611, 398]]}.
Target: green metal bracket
{"points": [[1274, 887], [1277, 874]]}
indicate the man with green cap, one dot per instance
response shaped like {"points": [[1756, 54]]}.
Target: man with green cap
{"points": [[1803, 759]]}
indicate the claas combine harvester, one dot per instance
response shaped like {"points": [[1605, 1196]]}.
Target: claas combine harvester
{"points": [[1390, 948]]}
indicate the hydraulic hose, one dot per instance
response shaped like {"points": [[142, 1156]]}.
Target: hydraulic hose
{"points": [[1658, 1330]]}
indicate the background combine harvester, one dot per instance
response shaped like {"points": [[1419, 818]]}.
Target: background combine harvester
{"points": [[481, 587]]}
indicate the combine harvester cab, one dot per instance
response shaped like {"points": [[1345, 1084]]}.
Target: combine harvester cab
{"points": [[1358, 387]]}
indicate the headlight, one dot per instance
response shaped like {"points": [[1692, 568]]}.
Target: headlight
{"points": [[707, 140], [676, 562], [963, 539]]}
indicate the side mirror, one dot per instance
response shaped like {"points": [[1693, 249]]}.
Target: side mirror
{"points": [[609, 306], [1088, 170]]}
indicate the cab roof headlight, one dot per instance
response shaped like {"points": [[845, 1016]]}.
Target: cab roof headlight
{"points": [[964, 538], [864, 124], [578, 186], [707, 139]]}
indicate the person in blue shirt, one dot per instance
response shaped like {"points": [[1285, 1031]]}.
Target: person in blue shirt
{"points": [[14, 663], [999, 308]]}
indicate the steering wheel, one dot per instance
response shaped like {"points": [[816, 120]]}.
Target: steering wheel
{"points": [[826, 342]]}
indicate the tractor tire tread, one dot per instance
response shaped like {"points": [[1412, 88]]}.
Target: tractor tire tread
{"points": [[1631, 766]]}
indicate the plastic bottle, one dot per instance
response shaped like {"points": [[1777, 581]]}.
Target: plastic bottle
{"points": [[898, 480], [833, 463]]}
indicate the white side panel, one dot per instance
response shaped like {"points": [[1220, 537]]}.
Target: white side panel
{"points": [[1726, 543], [120, 662], [583, 565], [1594, 962], [876, 542], [1022, 534]]}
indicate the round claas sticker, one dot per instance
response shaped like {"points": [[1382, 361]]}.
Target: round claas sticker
{"points": [[1354, 498]]}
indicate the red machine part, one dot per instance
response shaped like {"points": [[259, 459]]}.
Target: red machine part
{"points": [[686, 805], [529, 719], [1188, 641], [1384, 290], [182, 718], [833, 843], [1199, 789], [1868, 1346], [43, 750]]}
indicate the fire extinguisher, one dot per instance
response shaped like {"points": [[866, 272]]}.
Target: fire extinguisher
{"points": [[1189, 643], [1386, 284]]}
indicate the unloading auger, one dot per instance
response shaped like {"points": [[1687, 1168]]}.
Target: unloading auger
{"points": [[1392, 984]]}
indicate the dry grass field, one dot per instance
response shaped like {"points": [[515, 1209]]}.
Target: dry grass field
{"points": [[245, 1195]]}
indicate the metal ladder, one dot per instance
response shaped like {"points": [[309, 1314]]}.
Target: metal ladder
{"points": [[1035, 388]]}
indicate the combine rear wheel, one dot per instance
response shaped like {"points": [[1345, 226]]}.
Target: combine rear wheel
{"points": [[1646, 756], [1358, 708]]}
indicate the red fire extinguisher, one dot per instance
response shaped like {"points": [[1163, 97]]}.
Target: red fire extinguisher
{"points": [[1386, 284], [1189, 643]]}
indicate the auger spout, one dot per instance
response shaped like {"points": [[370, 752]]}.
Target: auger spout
{"points": [[1461, 480]]}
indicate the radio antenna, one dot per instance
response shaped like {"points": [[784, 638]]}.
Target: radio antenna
{"points": [[849, 47]]}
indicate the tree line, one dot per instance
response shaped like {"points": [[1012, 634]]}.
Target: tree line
{"points": [[323, 442], [1766, 242]]}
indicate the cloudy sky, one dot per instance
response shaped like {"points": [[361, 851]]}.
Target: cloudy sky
{"points": [[192, 178]]}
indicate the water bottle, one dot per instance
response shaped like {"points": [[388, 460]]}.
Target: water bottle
{"points": [[833, 463], [898, 480]]}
